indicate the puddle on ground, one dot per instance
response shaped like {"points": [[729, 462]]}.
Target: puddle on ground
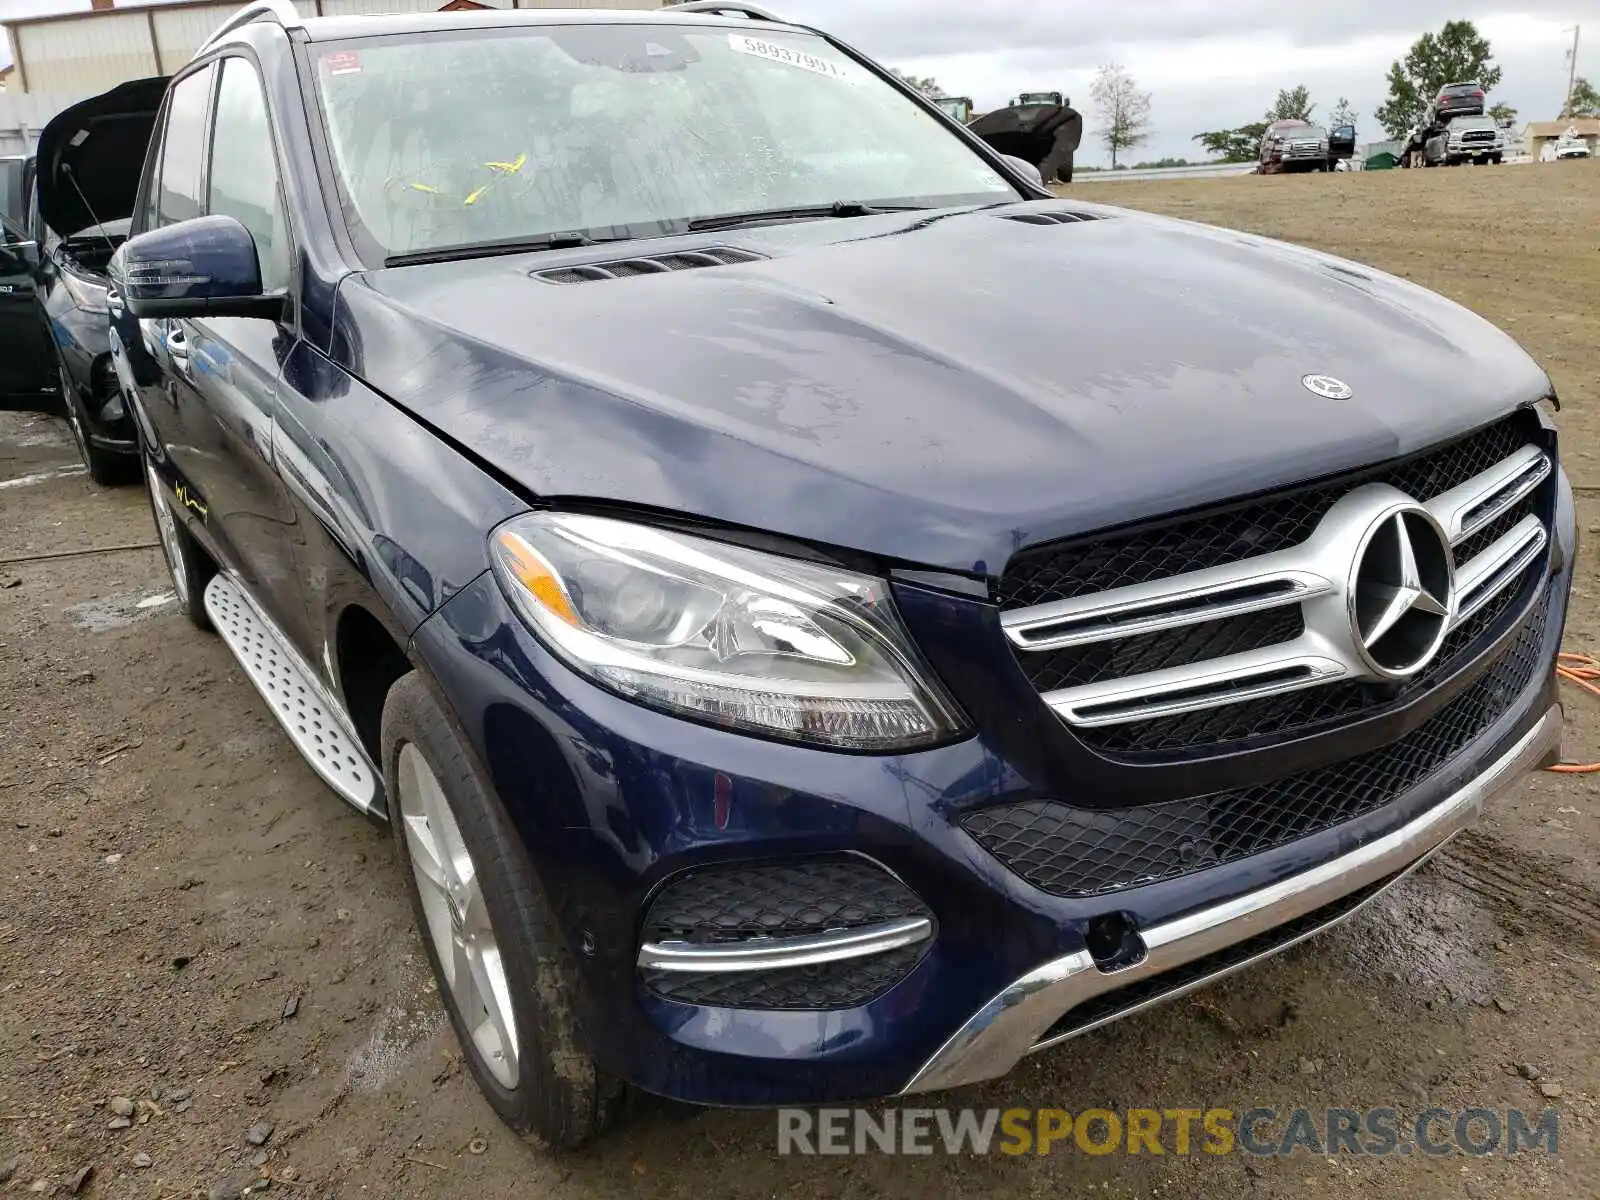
{"points": [[40, 433], [404, 1027], [243, 745], [123, 608], [1422, 934], [22, 481]]}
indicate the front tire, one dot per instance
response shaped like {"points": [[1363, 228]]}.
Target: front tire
{"points": [[504, 973], [190, 566], [105, 467]]}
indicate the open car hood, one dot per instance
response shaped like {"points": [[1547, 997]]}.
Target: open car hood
{"points": [[1028, 131], [91, 155]]}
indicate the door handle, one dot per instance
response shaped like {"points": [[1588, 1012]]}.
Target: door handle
{"points": [[178, 348]]}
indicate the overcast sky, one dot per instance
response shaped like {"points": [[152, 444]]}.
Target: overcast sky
{"points": [[1207, 65]]}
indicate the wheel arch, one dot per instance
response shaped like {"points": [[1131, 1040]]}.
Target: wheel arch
{"points": [[369, 658]]}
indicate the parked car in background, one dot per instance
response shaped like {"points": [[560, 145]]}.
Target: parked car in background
{"points": [[1341, 144], [781, 692], [1040, 128], [957, 108], [1292, 145], [1457, 100], [80, 198], [1474, 139], [28, 378], [1571, 145]]}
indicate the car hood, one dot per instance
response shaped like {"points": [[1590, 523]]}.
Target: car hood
{"points": [[936, 388], [90, 156]]}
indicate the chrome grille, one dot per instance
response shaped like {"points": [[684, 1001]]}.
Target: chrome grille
{"points": [[1204, 653]]}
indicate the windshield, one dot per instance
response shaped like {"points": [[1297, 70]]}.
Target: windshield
{"points": [[1463, 123], [628, 129]]}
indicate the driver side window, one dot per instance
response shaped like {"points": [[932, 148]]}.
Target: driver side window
{"points": [[244, 172], [183, 150]]}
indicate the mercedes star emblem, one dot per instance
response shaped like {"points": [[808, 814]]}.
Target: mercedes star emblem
{"points": [[1327, 387], [1403, 591]]}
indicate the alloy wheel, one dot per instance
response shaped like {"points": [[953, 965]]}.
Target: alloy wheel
{"points": [[456, 915], [167, 527], [80, 436]]}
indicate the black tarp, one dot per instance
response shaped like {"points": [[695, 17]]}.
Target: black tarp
{"points": [[1046, 135]]}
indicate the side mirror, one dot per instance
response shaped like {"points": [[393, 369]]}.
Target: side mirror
{"points": [[1024, 168], [204, 267]]}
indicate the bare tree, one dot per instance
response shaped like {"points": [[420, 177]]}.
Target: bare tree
{"points": [[1343, 114], [1124, 110], [926, 84]]}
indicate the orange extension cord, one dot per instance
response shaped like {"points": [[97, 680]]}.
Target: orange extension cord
{"points": [[1583, 670]]}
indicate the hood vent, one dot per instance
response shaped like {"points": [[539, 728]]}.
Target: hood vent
{"points": [[655, 264], [1051, 216]]}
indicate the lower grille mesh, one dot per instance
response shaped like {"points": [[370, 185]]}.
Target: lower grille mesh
{"points": [[1077, 852], [790, 899]]}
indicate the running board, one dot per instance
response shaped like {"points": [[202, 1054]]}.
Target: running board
{"points": [[315, 724]]}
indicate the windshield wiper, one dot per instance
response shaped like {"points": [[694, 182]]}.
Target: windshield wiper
{"points": [[550, 241], [839, 208]]}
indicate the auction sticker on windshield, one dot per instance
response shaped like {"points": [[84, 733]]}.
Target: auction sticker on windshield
{"points": [[745, 44], [342, 62]]}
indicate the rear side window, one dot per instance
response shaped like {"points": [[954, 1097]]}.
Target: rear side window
{"points": [[244, 172], [183, 150]]}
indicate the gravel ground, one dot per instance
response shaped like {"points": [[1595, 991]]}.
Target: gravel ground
{"points": [[208, 975]]}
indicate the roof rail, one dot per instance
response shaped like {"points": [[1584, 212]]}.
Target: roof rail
{"points": [[281, 11], [723, 6]]}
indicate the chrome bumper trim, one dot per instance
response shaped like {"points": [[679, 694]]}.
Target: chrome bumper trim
{"points": [[775, 954], [1015, 1023]]}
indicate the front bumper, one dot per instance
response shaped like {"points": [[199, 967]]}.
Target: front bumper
{"points": [[614, 802], [1029, 1014]]}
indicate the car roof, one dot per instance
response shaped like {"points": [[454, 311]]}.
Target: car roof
{"points": [[327, 29]]}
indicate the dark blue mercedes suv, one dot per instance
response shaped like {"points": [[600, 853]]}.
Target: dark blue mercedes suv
{"points": [[823, 616]]}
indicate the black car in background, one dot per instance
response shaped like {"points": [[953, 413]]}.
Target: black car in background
{"points": [[74, 199], [27, 380], [1458, 100]]}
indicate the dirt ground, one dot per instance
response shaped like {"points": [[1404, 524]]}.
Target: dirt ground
{"points": [[191, 923]]}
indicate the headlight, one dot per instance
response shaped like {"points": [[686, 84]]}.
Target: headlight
{"points": [[735, 637], [90, 297]]}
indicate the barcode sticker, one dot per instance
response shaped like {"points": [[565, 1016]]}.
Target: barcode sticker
{"points": [[761, 48]]}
